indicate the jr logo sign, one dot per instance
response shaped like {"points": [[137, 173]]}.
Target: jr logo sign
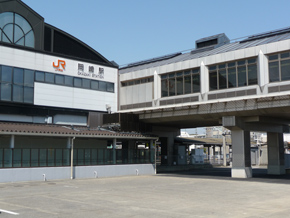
{"points": [[60, 66]]}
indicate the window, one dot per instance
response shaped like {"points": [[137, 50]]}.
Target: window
{"points": [[95, 85], [233, 74], [68, 80], [59, 79], [180, 83], [137, 81], [110, 87], [86, 84], [49, 78], [279, 67], [18, 76], [102, 86], [29, 78], [39, 76], [16, 30], [77, 82]]}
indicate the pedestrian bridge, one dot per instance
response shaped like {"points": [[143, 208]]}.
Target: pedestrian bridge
{"points": [[243, 86]]}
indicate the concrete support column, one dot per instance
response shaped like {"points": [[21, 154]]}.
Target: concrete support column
{"points": [[114, 150], [211, 151], [241, 167], [276, 164]]}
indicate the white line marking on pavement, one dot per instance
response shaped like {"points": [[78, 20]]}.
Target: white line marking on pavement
{"points": [[10, 212]]}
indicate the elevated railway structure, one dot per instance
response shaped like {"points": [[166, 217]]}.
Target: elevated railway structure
{"points": [[242, 85]]}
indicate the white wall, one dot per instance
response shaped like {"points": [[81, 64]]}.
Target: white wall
{"points": [[56, 173], [136, 94], [69, 97]]}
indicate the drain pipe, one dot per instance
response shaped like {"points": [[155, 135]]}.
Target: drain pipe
{"points": [[72, 158]]}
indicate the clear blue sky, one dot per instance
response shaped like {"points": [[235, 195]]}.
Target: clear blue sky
{"points": [[131, 30]]}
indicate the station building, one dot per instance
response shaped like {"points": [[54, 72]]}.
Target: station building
{"points": [[243, 85], [54, 90]]}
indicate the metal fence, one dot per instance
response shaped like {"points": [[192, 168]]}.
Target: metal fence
{"points": [[36, 157], [191, 159]]}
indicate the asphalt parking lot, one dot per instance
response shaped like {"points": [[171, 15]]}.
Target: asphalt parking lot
{"points": [[209, 193]]}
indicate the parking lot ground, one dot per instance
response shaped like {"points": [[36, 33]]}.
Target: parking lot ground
{"points": [[191, 194]]}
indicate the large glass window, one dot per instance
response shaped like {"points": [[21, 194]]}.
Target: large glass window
{"points": [[5, 92], [77, 82], [102, 86], [28, 95], [279, 67], [233, 74], [187, 82], [68, 80], [95, 85], [59, 79], [29, 78], [15, 29], [49, 77], [39, 76], [17, 93], [180, 83], [6, 74], [18, 76], [137, 81], [110, 87], [86, 84], [213, 80]]}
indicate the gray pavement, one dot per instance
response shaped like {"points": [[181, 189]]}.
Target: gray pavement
{"points": [[162, 195]]}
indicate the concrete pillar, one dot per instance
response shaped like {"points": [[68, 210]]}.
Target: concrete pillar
{"points": [[241, 167], [276, 164], [114, 150], [12, 140]]}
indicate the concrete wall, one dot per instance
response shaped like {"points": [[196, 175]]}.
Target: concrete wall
{"points": [[80, 172]]}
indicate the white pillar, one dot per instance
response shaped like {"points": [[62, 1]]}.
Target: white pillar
{"points": [[276, 164], [204, 78], [263, 71], [241, 146], [12, 140]]}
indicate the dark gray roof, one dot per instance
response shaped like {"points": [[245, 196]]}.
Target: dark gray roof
{"points": [[222, 49]]}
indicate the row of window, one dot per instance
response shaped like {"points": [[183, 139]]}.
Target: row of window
{"points": [[179, 83], [279, 67], [73, 81], [137, 81], [233, 74], [17, 84], [61, 157]]}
